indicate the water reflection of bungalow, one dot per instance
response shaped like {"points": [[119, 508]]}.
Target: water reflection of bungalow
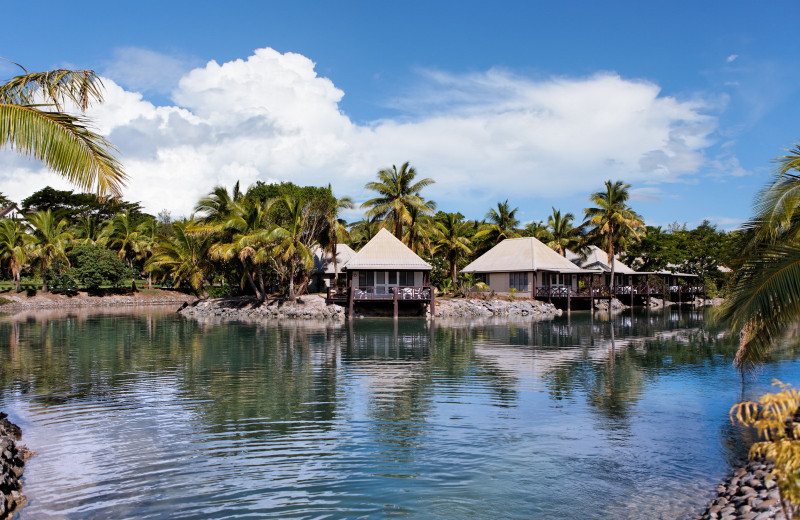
{"points": [[385, 273]]}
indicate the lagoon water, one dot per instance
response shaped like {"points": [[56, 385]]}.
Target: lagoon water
{"points": [[144, 414]]}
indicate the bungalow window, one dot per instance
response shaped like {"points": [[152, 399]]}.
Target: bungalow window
{"points": [[366, 278], [407, 278], [518, 281]]}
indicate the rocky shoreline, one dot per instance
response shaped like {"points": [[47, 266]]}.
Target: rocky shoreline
{"points": [[748, 494], [12, 461], [18, 302], [313, 306]]}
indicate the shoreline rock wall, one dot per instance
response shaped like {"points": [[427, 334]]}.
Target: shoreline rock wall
{"points": [[314, 307], [12, 461], [748, 494]]}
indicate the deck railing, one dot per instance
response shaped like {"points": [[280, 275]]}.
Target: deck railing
{"points": [[412, 293]]}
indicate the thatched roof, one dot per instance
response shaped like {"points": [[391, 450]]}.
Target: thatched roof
{"points": [[596, 258], [522, 254], [323, 260], [385, 251]]}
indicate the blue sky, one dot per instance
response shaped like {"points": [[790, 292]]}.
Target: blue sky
{"points": [[531, 102]]}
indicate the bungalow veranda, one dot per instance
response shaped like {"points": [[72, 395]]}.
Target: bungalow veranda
{"points": [[385, 273]]}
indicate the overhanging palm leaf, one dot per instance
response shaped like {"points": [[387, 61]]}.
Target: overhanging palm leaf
{"points": [[62, 141], [764, 301]]}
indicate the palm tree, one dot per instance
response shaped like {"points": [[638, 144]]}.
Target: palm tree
{"points": [[50, 241], [335, 229], [765, 299], [14, 248], [63, 141], [362, 231], [536, 229], [611, 222], [218, 205], [420, 233], [454, 242], [502, 224], [183, 256], [398, 194], [243, 233], [122, 235], [292, 247], [559, 234]]}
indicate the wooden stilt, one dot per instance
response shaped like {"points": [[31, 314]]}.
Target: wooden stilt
{"points": [[569, 302], [350, 297], [433, 303], [394, 298]]}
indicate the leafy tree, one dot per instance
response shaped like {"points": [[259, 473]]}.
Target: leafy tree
{"points": [[611, 223], [14, 248], [50, 241], [398, 194], [93, 266], [63, 141], [77, 206]]}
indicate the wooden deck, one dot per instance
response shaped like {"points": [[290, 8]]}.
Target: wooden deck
{"points": [[349, 296], [628, 294]]}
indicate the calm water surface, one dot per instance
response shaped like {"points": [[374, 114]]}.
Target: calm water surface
{"points": [[148, 415]]}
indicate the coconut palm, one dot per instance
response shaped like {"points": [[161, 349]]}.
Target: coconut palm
{"points": [[244, 234], [183, 257], [32, 122], [362, 231], [334, 229], [123, 236], [765, 299], [611, 223], [293, 247], [398, 194], [502, 223], [218, 205], [14, 248], [88, 231], [420, 233], [453, 243], [50, 240], [536, 229], [560, 234]]}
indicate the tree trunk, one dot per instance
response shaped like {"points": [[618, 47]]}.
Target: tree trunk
{"points": [[291, 282], [251, 282], [44, 279], [18, 280], [149, 280]]}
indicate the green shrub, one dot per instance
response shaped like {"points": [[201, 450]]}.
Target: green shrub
{"points": [[94, 266]]}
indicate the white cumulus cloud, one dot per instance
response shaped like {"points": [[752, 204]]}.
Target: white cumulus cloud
{"points": [[482, 137]]}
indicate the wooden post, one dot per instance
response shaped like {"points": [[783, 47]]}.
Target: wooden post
{"points": [[631, 287], [569, 301], [433, 303], [394, 297], [647, 288], [679, 296], [350, 297], [533, 287]]}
